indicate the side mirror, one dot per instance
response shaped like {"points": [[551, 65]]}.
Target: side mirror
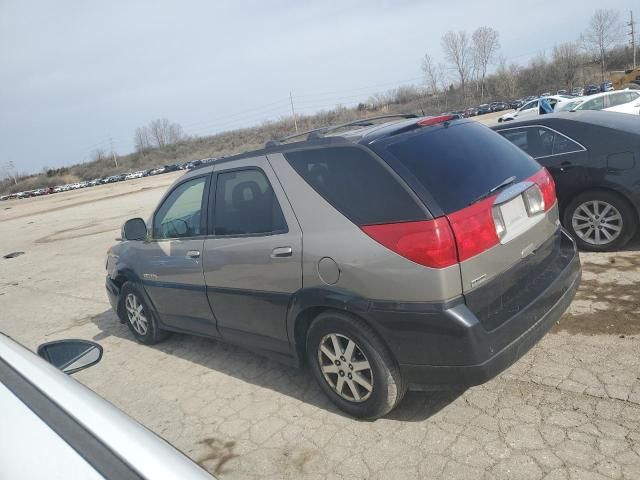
{"points": [[71, 356], [134, 229]]}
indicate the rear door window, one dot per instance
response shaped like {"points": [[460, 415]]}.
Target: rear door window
{"points": [[245, 204], [594, 104], [458, 163], [356, 184], [540, 141]]}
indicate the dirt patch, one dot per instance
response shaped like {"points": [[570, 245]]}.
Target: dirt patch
{"points": [[621, 315]]}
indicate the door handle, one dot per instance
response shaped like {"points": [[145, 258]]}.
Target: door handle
{"points": [[193, 254], [281, 252]]}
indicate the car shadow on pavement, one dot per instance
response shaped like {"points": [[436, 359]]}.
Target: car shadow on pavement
{"points": [[263, 372]]}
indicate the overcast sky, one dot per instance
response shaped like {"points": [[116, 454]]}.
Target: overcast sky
{"points": [[74, 73]]}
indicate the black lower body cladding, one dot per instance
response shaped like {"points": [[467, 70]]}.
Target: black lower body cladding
{"points": [[469, 341]]}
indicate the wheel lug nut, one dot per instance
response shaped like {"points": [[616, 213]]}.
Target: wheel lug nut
{"points": [[342, 358], [350, 367], [337, 362], [342, 373], [350, 376]]}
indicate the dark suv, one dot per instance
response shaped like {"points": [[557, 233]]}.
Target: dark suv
{"points": [[419, 253]]}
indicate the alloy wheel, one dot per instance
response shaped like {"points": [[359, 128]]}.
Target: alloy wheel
{"points": [[597, 222], [345, 367], [136, 314]]}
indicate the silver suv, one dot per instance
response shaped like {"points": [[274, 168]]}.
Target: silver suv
{"points": [[421, 253]]}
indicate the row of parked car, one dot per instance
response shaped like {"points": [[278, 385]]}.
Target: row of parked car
{"points": [[621, 101], [499, 106], [110, 179]]}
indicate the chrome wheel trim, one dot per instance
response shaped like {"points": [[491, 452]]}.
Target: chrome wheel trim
{"points": [[345, 367], [136, 314], [597, 222]]}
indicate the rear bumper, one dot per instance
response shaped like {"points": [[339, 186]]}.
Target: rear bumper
{"points": [[450, 347]]}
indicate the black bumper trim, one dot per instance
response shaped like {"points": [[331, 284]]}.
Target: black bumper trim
{"points": [[435, 377]]}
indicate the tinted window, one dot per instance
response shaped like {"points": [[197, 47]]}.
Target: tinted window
{"points": [[540, 141], [246, 204], [356, 184], [530, 105], [181, 213], [459, 163]]}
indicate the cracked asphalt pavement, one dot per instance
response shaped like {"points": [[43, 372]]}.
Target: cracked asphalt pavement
{"points": [[569, 409]]}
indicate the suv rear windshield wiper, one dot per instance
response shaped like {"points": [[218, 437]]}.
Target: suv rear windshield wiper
{"points": [[504, 183]]}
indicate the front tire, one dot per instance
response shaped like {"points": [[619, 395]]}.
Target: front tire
{"points": [[137, 314], [600, 221], [353, 366]]}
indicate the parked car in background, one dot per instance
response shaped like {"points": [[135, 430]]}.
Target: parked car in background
{"points": [[545, 94], [577, 92], [606, 86], [532, 108], [591, 90], [467, 223], [484, 109], [76, 433], [157, 171], [562, 92], [623, 101], [471, 112], [593, 158]]}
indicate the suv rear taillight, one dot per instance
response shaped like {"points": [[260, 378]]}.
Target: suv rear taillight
{"points": [[475, 228], [430, 243], [547, 186]]}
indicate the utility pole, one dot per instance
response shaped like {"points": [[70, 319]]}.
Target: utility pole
{"points": [[113, 153], [632, 25], [293, 112], [8, 167]]}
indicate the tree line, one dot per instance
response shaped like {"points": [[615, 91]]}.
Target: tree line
{"points": [[468, 58]]}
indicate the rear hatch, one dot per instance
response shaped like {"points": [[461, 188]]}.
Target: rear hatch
{"points": [[500, 205]]}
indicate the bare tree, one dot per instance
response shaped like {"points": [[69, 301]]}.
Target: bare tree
{"points": [[485, 47], [142, 139], [434, 75], [159, 133], [604, 32], [566, 60], [99, 155], [505, 79], [457, 51]]}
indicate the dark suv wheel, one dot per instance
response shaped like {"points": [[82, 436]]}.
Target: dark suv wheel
{"points": [[600, 220], [353, 366], [138, 316]]}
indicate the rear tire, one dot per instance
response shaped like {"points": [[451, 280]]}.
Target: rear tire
{"points": [[139, 317], [600, 220], [362, 377]]}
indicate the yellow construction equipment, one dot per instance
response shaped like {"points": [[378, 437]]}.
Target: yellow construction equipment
{"points": [[626, 79]]}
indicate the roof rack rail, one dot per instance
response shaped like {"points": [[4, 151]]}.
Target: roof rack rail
{"points": [[319, 132]]}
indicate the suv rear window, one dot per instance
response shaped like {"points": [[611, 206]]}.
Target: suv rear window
{"points": [[459, 163], [356, 184]]}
